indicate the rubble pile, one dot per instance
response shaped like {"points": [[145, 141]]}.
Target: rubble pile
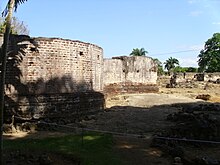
{"points": [[189, 84], [196, 126], [200, 121], [203, 97], [33, 157]]}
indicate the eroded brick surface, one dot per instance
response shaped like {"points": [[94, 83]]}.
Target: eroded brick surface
{"points": [[48, 75], [130, 75]]}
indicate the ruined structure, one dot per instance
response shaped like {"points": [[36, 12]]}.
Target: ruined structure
{"points": [[58, 78], [53, 77], [133, 74], [75, 62]]}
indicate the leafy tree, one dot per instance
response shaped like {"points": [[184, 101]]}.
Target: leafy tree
{"points": [[138, 52], [191, 69], [160, 70], [184, 69], [170, 64], [209, 57], [17, 27], [179, 69], [8, 12]]}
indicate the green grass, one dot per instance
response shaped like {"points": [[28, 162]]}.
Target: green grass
{"points": [[94, 149]]}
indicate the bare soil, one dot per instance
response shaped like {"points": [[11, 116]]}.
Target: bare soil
{"points": [[146, 115], [135, 118]]}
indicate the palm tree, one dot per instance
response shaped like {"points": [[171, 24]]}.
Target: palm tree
{"points": [[8, 12], [170, 64], [159, 66], [138, 52]]}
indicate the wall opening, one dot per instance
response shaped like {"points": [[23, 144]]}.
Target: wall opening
{"points": [[81, 53]]}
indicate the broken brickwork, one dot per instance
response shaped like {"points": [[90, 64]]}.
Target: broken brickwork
{"points": [[53, 76], [133, 74], [67, 77]]}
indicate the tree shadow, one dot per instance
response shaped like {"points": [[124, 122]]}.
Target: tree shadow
{"points": [[14, 85], [60, 100]]}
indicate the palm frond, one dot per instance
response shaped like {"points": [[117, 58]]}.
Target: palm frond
{"points": [[138, 52], [17, 3]]}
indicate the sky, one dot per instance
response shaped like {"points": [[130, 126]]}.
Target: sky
{"points": [[165, 28]]}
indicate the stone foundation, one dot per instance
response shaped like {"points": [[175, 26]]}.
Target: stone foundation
{"points": [[66, 107], [120, 88]]}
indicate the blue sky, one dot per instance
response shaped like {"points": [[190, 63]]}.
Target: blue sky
{"points": [[162, 27]]}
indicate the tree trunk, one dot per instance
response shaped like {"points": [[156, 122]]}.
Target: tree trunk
{"points": [[3, 71]]}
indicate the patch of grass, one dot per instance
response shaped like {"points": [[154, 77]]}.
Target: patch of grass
{"points": [[93, 149]]}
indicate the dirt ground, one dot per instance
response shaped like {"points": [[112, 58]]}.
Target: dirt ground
{"points": [[135, 118], [140, 116]]}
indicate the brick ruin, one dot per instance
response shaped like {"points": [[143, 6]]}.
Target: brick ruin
{"points": [[58, 78], [74, 62], [130, 75]]}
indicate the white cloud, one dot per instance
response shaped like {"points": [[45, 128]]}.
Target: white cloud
{"points": [[189, 57], [195, 13], [190, 47], [216, 23], [196, 47], [188, 62], [192, 1]]}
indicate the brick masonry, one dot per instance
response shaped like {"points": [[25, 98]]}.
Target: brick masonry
{"points": [[130, 75], [47, 59], [60, 77], [53, 77]]}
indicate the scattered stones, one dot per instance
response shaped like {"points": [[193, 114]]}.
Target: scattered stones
{"points": [[18, 127], [217, 81], [194, 124], [25, 157], [7, 128], [203, 97], [177, 161], [206, 161], [45, 160]]}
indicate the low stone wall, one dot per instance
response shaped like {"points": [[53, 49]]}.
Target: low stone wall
{"points": [[199, 76], [211, 76], [120, 88], [65, 107]]}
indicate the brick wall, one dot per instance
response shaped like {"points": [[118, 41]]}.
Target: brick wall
{"points": [[65, 77], [66, 107], [130, 74], [45, 72], [49, 58]]}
